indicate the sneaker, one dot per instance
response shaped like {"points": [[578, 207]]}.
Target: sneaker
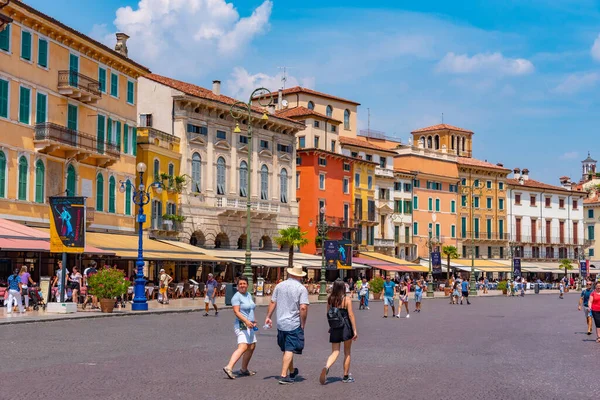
{"points": [[461, 303], [284, 380], [407, 315], [216, 313], [397, 316], [205, 314], [323, 376], [294, 374], [348, 379], [368, 308]]}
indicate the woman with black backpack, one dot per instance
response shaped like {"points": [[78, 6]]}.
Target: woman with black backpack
{"points": [[342, 329]]}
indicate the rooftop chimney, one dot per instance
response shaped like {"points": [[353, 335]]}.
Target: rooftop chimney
{"points": [[500, 165], [279, 99], [121, 46], [525, 173], [217, 88], [517, 173]]}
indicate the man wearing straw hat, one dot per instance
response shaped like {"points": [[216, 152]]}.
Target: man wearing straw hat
{"points": [[291, 300]]}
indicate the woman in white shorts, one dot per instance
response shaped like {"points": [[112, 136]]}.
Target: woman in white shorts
{"points": [[244, 328]]}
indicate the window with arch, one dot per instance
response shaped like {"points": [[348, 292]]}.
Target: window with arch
{"points": [[171, 170], [329, 111], [463, 144], [422, 141], [436, 142], [264, 182], [283, 185], [23, 172], [221, 171], [40, 172], [429, 142], [99, 193], [128, 197], [311, 105], [453, 142], [2, 174], [71, 181], [347, 119], [196, 175], [156, 170], [112, 194], [243, 179]]}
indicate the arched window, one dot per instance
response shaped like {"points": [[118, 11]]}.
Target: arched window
{"points": [[347, 119], [156, 170], [429, 142], [311, 105], [221, 176], [283, 186], [2, 175], [436, 141], [23, 172], [329, 111], [422, 141], [71, 181], [40, 172], [99, 193], [463, 144], [128, 197], [196, 176], [264, 183], [453, 142], [243, 179], [171, 170], [112, 194]]}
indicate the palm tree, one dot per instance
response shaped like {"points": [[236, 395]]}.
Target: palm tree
{"points": [[291, 237], [449, 252], [566, 264]]}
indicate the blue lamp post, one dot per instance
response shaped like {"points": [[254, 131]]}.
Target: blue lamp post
{"points": [[141, 197]]}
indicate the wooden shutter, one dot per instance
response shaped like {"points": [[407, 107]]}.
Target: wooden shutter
{"points": [[26, 45], [126, 139], [109, 131], [134, 141], [3, 98], [5, 39], [118, 136], [24, 101], [42, 52]]}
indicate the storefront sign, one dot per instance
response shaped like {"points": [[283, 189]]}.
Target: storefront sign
{"points": [[67, 224]]}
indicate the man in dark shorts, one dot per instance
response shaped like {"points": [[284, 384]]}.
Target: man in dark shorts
{"points": [[89, 271], [291, 300], [465, 291]]}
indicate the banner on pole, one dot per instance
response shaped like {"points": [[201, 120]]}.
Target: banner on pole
{"points": [[67, 224], [436, 262], [344, 254], [583, 268], [517, 267], [330, 247]]}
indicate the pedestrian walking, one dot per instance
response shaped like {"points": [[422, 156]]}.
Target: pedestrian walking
{"points": [[87, 273], [26, 281], [352, 287], [584, 302], [163, 288], [75, 283], [455, 292], [594, 303], [212, 286], [14, 292], [364, 294], [523, 283], [342, 329], [486, 285], [245, 329], [561, 289], [403, 299], [389, 289], [290, 298], [419, 294], [465, 291]]}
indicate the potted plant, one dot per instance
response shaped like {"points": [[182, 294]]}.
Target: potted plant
{"points": [[179, 183], [376, 285], [502, 285], [106, 285]]}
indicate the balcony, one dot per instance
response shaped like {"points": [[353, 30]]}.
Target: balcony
{"points": [[337, 223], [54, 139], [485, 236], [550, 240], [157, 138], [79, 87], [386, 243], [384, 172], [237, 207]]}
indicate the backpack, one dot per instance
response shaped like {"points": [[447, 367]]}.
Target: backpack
{"points": [[335, 318]]}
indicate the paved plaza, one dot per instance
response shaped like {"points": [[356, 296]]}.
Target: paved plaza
{"points": [[497, 348]]}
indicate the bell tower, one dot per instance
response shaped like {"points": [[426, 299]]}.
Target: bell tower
{"points": [[588, 166]]}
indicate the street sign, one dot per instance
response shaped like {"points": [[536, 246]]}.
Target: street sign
{"points": [[583, 268], [517, 267], [436, 262]]}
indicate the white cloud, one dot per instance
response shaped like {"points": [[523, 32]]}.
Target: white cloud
{"points": [[186, 36], [484, 63], [570, 155], [596, 49], [241, 83], [578, 82]]}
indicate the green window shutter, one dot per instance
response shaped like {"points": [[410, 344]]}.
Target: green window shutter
{"points": [[126, 139], [5, 39], [100, 136], [23, 172], [39, 182], [476, 221], [3, 98], [40, 114], [430, 204], [489, 228], [43, 53], [109, 131], [128, 198], [453, 206], [2, 174], [118, 136], [74, 70], [415, 228], [134, 141], [102, 79], [130, 93], [437, 205], [24, 101], [114, 85], [112, 186], [463, 227], [453, 231], [99, 193], [72, 117], [415, 203], [26, 45], [437, 230], [71, 181]]}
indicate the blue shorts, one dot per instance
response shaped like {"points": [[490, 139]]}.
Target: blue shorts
{"points": [[388, 301], [291, 340], [418, 297]]}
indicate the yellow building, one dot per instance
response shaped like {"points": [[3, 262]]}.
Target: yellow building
{"points": [[161, 154], [67, 120]]}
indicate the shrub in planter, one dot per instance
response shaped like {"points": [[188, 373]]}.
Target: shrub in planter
{"points": [[502, 285], [376, 285], [107, 284]]}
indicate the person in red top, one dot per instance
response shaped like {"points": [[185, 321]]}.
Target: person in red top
{"points": [[594, 304]]}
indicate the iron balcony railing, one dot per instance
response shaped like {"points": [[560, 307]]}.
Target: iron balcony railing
{"points": [[72, 138], [549, 240], [481, 235], [76, 80], [336, 222]]}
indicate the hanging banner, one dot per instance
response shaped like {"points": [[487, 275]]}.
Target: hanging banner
{"points": [[436, 262], [583, 268], [67, 224], [331, 248], [344, 254], [517, 264]]}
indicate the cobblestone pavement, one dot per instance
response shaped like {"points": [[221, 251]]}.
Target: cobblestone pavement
{"points": [[497, 348]]}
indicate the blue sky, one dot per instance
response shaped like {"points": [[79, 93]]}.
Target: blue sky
{"points": [[522, 74]]}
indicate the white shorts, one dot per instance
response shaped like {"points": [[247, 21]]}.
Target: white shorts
{"points": [[209, 299], [246, 336]]}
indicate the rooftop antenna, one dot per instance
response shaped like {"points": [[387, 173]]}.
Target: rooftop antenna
{"points": [[442, 118], [284, 76], [368, 122]]}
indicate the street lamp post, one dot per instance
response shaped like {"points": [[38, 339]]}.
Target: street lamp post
{"points": [[241, 111], [430, 274], [140, 197], [471, 190], [512, 249], [322, 230]]}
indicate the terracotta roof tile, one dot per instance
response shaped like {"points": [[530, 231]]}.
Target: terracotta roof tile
{"points": [[301, 111], [530, 183], [203, 93], [363, 143], [300, 89], [592, 201], [478, 163], [440, 127]]}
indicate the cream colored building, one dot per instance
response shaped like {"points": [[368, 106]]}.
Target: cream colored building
{"points": [[214, 158]]}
